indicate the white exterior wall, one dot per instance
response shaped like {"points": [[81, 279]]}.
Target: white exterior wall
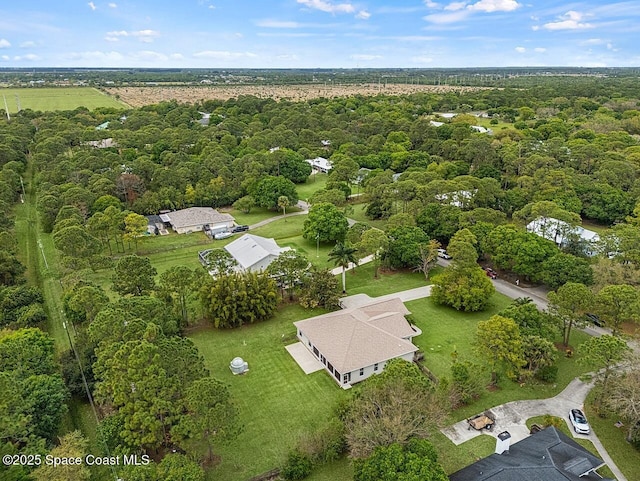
{"points": [[198, 227], [262, 264]]}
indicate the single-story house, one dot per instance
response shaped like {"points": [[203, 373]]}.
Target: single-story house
{"points": [[320, 164], [254, 253], [354, 344], [547, 455], [194, 219], [561, 232]]}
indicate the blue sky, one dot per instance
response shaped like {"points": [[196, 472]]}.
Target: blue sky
{"points": [[318, 33]]}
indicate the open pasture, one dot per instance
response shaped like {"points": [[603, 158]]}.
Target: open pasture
{"points": [[63, 98]]}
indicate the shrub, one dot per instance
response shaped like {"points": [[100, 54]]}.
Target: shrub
{"points": [[298, 466]]}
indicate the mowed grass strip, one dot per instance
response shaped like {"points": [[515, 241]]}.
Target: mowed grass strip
{"points": [[277, 401], [62, 98]]}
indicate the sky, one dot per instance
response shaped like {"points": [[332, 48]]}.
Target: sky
{"points": [[319, 33]]}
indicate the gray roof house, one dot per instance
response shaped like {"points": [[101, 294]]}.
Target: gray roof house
{"points": [[194, 219], [547, 455], [353, 344], [254, 253]]}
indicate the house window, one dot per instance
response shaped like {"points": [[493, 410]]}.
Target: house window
{"points": [[330, 367], [375, 366], [315, 351], [346, 378], [337, 375], [362, 371], [299, 333]]}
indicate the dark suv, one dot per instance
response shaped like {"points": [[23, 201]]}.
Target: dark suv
{"points": [[592, 318], [240, 228]]}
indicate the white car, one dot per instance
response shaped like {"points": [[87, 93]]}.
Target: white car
{"points": [[579, 421], [222, 235], [443, 253]]}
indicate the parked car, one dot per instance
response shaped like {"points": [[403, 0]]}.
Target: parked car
{"points": [[223, 235], [579, 421], [240, 228], [443, 253], [592, 318], [491, 273]]}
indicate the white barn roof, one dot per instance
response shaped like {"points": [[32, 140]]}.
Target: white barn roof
{"points": [[250, 249]]}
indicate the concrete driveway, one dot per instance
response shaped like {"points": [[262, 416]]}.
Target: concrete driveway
{"points": [[358, 300]]}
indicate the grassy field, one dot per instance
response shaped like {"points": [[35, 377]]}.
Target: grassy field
{"points": [[361, 280], [277, 401], [358, 215], [313, 184], [63, 98]]}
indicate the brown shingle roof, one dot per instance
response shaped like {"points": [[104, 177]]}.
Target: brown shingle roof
{"points": [[351, 339]]}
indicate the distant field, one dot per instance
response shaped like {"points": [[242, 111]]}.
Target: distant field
{"points": [[139, 96], [63, 98]]}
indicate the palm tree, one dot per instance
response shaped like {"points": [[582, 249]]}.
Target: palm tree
{"points": [[342, 255], [283, 203]]}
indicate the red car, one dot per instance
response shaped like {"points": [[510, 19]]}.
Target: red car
{"points": [[491, 273]]}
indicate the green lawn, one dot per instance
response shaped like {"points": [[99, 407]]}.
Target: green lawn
{"points": [[626, 457], [445, 330], [277, 401], [359, 216], [257, 214], [63, 98], [313, 184], [361, 280]]}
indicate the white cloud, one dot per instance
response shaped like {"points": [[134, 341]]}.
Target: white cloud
{"points": [[520, 49], [5, 58], [452, 17], [223, 54], [431, 4], [145, 55], [539, 49], [459, 10], [176, 56], [30, 57], [4, 43], [96, 55], [569, 21], [145, 36], [267, 23], [593, 41], [27, 44], [328, 7], [455, 6], [92, 6], [364, 57], [363, 14], [113, 5], [490, 6]]}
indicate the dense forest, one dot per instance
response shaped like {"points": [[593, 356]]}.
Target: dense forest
{"points": [[565, 147]]}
